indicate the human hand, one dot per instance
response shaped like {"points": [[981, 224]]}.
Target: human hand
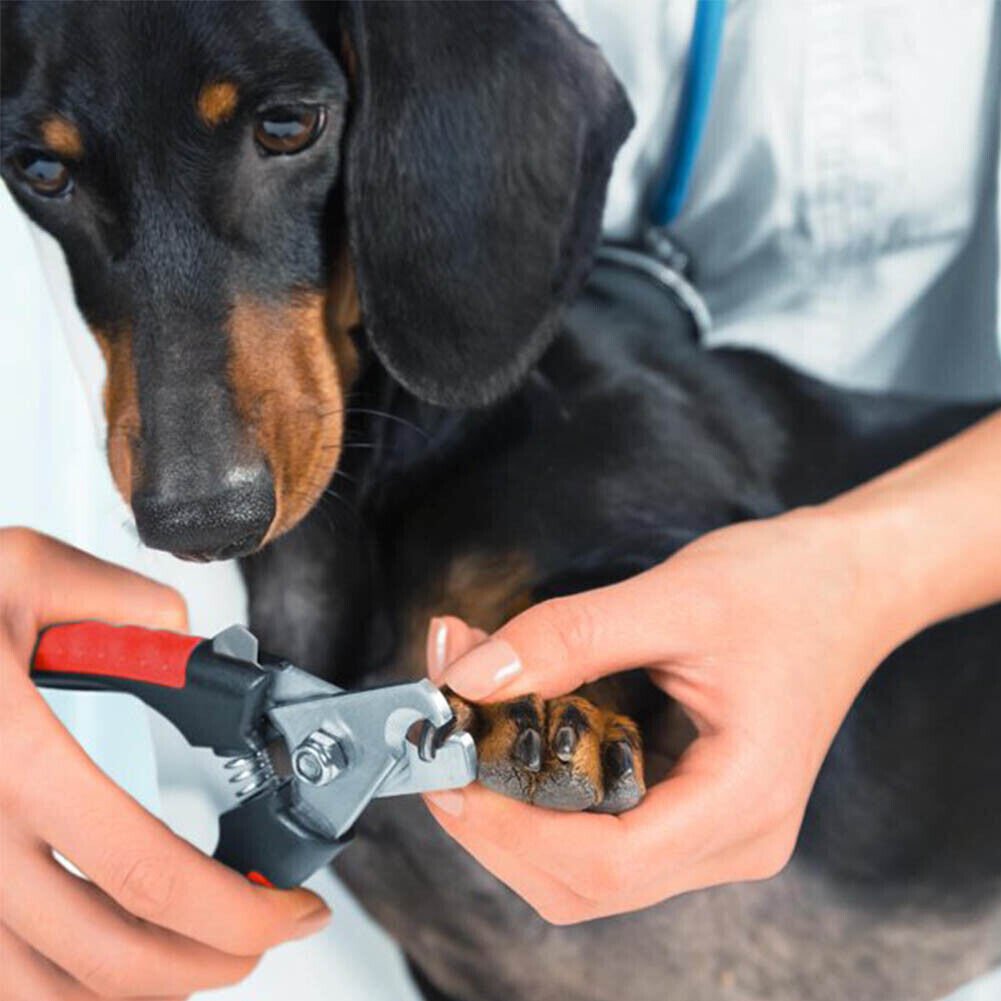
{"points": [[157, 918], [763, 632]]}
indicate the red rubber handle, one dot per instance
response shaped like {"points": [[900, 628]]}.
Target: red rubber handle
{"points": [[96, 649]]}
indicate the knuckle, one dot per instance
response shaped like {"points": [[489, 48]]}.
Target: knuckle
{"points": [[18, 551], [104, 973], [239, 970], [774, 857], [18, 541], [174, 607], [146, 887]]}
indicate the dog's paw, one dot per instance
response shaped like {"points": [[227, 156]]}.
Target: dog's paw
{"points": [[564, 754]]}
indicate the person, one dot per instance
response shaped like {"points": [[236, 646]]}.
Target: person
{"points": [[830, 225], [764, 632], [148, 921], [831, 248]]}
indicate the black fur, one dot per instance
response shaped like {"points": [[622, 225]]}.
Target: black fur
{"points": [[474, 164], [437, 198]]}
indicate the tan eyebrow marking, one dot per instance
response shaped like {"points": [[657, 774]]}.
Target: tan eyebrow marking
{"points": [[217, 102], [62, 137]]}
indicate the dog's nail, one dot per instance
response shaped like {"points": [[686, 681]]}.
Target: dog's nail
{"points": [[527, 749], [619, 760], [437, 648], [449, 801], [565, 743], [483, 670]]}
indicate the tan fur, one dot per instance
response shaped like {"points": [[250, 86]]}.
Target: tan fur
{"points": [[349, 60], [484, 589], [487, 589], [586, 758], [216, 102], [497, 731], [62, 137], [289, 367], [343, 316], [121, 406]]}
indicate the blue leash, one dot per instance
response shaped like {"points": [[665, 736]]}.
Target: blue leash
{"points": [[700, 75]]}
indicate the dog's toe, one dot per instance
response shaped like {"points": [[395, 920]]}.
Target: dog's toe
{"points": [[624, 786], [564, 754], [509, 745]]}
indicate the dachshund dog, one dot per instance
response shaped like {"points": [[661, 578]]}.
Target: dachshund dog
{"points": [[338, 258]]}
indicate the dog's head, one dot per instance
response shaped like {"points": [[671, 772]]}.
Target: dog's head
{"points": [[238, 186]]}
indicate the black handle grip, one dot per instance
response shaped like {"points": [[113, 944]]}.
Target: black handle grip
{"points": [[261, 839]]}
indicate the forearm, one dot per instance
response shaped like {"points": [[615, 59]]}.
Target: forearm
{"points": [[927, 535]]}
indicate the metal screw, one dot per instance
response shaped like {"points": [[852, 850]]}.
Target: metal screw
{"points": [[318, 759]]}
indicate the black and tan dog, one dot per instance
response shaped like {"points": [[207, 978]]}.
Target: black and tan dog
{"points": [[326, 251]]}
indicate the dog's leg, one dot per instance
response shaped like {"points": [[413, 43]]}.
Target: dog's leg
{"points": [[427, 989]]}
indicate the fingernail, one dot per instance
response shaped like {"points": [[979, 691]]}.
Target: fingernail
{"points": [[484, 670], [312, 924], [437, 648], [313, 906], [448, 801], [306, 928]]}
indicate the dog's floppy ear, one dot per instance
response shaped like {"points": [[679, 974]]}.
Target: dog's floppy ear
{"points": [[478, 152]]}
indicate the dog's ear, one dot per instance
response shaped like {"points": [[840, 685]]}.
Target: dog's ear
{"points": [[478, 152]]}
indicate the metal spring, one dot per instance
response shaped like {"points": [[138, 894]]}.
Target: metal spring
{"points": [[252, 772]]}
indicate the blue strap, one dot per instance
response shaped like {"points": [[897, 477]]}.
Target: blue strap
{"points": [[690, 123]]}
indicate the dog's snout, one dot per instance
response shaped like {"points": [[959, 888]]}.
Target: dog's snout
{"points": [[222, 523]]}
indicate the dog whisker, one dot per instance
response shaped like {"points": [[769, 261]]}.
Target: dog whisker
{"points": [[390, 417]]}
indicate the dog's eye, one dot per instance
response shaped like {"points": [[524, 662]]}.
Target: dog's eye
{"points": [[281, 131], [45, 174]]}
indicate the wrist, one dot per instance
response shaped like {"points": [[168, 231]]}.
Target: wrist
{"points": [[865, 551], [879, 543]]}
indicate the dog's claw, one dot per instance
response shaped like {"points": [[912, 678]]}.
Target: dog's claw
{"points": [[528, 749], [565, 743], [619, 760]]}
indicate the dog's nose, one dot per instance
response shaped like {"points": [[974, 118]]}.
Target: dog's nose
{"points": [[220, 524]]}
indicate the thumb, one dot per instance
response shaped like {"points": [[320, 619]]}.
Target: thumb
{"points": [[559, 645]]}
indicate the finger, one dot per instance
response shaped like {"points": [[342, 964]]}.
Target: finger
{"points": [[59, 794], [56, 583], [548, 896], [100, 946], [573, 849], [448, 639], [561, 644], [26, 976], [663, 843]]}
